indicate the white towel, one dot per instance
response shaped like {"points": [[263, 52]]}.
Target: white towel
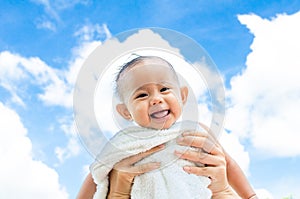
{"points": [[170, 181]]}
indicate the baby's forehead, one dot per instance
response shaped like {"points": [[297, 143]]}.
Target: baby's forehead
{"points": [[147, 73]]}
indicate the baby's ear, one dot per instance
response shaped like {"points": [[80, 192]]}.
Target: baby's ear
{"points": [[184, 92], [123, 111]]}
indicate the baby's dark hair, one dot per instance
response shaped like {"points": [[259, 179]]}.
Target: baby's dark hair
{"points": [[134, 62]]}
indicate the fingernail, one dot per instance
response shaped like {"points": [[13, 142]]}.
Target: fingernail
{"points": [[178, 153], [160, 147], [186, 133], [187, 169]]}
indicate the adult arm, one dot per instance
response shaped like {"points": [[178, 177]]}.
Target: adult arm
{"points": [[121, 176], [123, 173], [238, 180], [87, 189]]}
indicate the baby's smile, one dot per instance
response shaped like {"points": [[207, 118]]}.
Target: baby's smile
{"points": [[160, 114]]}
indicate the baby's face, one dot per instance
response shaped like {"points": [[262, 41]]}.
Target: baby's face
{"points": [[152, 95]]}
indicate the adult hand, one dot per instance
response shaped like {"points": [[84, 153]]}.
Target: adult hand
{"points": [[123, 173], [212, 156]]}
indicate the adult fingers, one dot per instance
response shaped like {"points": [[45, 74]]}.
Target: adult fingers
{"points": [[214, 173], [208, 134], [143, 168], [200, 171], [202, 157], [195, 133], [199, 141], [217, 175]]}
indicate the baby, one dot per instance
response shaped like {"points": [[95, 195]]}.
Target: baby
{"points": [[151, 96]]}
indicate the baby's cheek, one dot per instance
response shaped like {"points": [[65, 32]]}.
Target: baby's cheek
{"points": [[141, 112], [177, 110]]}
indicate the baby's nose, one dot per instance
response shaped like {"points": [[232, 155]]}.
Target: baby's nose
{"points": [[156, 99]]}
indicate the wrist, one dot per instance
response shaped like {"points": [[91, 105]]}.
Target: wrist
{"points": [[253, 197], [120, 185], [226, 193]]}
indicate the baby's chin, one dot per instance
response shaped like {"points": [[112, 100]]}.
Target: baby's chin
{"points": [[161, 127]]}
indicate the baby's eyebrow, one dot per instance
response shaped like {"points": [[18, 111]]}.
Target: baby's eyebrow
{"points": [[142, 88], [165, 83], [137, 90]]}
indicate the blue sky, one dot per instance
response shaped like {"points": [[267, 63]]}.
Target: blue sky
{"points": [[44, 43]]}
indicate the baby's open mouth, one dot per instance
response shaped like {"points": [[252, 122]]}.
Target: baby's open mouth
{"points": [[160, 114]]}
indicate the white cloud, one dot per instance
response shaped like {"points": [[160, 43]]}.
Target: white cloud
{"points": [[282, 188], [21, 175], [66, 4], [90, 37], [72, 148], [61, 93], [49, 9], [85, 171], [54, 87], [265, 97], [17, 73], [79, 54], [90, 32], [236, 150], [229, 141], [286, 186], [57, 85], [53, 7], [45, 24], [52, 10]]}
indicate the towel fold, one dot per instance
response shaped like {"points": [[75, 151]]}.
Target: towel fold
{"points": [[170, 181]]}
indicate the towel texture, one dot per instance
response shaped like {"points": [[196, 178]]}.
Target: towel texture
{"points": [[170, 181]]}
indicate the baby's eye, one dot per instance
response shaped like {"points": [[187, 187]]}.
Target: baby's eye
{"points": [[141, 95], [164, 89]]}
